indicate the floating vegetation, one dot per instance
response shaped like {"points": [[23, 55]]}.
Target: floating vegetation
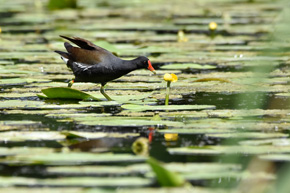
{"points": [[66, 93], [53, 4], [228, 112]]}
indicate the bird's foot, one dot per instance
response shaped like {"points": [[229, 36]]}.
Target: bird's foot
{"points": [[71, 83]]}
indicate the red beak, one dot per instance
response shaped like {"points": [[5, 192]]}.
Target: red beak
{"points": [[150, 67]]}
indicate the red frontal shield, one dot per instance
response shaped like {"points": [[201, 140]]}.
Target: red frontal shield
{"points": [[150, 67]]}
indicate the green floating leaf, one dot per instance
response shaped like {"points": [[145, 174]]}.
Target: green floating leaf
{"points": [[43, 189], [165, 177], [108, 46], [71, 158], [98, 181], [195, 189], [187, 66], [124, 121], [283, 94], [110, 170], [239, 149], [55, 4], [278, 142], [30, 135], [67, 93], [19, 123], [212, 79], [21, 81], [76, 181], [96, 135], [195, 171], [276, 157], [253, 135], [24, 150], [132, 107], [19, 104], [192, 131]]}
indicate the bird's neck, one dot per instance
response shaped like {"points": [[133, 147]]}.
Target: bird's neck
{"points": [[129, 65]]}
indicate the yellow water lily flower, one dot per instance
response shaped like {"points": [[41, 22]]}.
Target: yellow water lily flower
{"points": [[171, 136], [181, 36], [141, 146], [170, 77], [212, 26]]}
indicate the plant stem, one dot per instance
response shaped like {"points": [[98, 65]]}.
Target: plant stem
{"points": [[167, 92]]}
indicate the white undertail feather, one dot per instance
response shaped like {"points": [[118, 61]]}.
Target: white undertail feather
{"points": [[64, 59]]}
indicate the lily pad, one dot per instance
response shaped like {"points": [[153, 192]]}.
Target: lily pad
{"points": [[18, 104], [254, 135], [131, 107], [283, 94], [73, 158], [124, 121], [276, 157], [96, 135], [219, 150], [76, 181], [24, 150], [67, 93], [186, 189], [45, 189], [195, 131], [199, 169], [20, 81], [278, 142], [186, 66], [30, 135]]}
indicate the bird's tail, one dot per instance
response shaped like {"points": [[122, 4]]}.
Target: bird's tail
{"points": [[64, 57], [63, 54]]}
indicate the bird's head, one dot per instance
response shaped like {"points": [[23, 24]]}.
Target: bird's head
{"points": [[143, 62]]}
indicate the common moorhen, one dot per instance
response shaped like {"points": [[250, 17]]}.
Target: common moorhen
{"points": [[91, 63]]}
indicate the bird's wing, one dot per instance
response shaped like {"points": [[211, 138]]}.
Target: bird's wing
{"points": [[87, 53], [84, 44]]}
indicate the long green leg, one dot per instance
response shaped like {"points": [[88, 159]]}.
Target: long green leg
{"points": [[105, 95], [71, 83]]}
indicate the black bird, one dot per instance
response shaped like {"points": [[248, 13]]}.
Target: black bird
{"points": [[91, 63]]}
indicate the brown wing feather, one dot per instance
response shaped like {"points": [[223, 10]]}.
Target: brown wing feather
{"points": [[88, 53], [85, 44], [89, 57]]}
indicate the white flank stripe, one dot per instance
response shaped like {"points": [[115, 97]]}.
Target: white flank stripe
{"points": [[82, 66]]}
